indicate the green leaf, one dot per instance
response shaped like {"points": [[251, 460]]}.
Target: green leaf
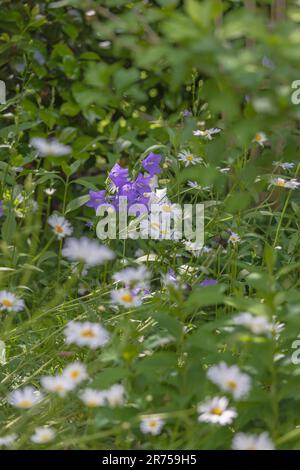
{"points": [[109, 377], [170, 323], [15, 129], [9, 226], [124, 78], [260, 281], [207, 295], [158, 362], [70, 109], [76, 203]]}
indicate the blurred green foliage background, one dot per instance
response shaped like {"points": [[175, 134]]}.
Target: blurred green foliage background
{"points": [[114, 77]]}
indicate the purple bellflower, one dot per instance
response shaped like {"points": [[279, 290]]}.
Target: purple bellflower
{"points": [[208, 282], [118, 175], [151, 164], [97, 198]]}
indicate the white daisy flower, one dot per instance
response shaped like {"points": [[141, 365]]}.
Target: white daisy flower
{"points": [[230, 379], [284, 165], [260, 138], [75, 372], [49, 191], [292, 184], [257, 324], [166, 230], [195, 185], [187, 270], [188, 158], [276, 328], [242, 441], [90, 13], [61, 227], [58, 384], [25, 398], [166, 207], [160, 223], [152, 425], [50, 147], [224, 170], [207, 133], [86, 333], [159, 196], [10, 303], [283, 183], [115, 395], [8, 440], [43, 434], [126, 298], [234, 238], [155, 230], [104, 44], [216, 411], [87, 251], [93, 398], [196, 248], [133, 276]]}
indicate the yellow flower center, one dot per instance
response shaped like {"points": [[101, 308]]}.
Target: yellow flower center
{"points": [[166, 208], [92, 403], [59, 388], [217, 411], [75, 374], [88, 333], [189, 158], [152, 424], [258, 137], [127, 297], [25, 403], [45, 437], [232, 384], [280, 182], [7, 303], [58, 229]]}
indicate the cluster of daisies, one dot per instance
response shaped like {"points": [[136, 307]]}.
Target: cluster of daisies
{"points": [[188, 158], [216, 410], [142, 190], [91, 335], [131, 286]]}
